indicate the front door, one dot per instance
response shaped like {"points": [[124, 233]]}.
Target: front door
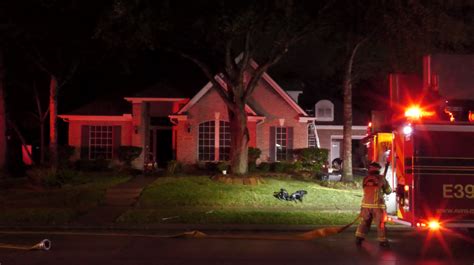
{"points": [[161, 142]]}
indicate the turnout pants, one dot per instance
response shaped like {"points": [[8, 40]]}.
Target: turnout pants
{"points": [[378, 215]]}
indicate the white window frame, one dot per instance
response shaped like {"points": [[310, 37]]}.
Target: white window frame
{"points": [[101, 137], [219, 143], [324, 105], [281, 143], [209, 143]]}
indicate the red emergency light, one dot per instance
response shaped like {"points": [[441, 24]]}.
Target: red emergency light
{"points": [[471, 116], [416, 113]]}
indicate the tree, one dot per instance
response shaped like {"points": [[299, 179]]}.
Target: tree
{"points": [[3, 124], [413, 29], [246, 30], [55, 38]]}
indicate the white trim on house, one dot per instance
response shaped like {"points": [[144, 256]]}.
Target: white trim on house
{"points": [[202, 92], [339, 137], [306, 119], [340, 127], [178, 117], [67, 118], [143, 99], [265, 76]]}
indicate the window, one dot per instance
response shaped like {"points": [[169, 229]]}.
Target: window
{"points": [[207, 141], [311, 136], [324, 110], [224, 141], [100, 142], [281, 143]]}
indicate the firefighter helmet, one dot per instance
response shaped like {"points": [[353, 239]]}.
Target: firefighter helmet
{"points": [[374, 166]]}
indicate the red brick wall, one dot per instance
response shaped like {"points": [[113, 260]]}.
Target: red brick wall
{"points": [[267, 102], [264, 101]]}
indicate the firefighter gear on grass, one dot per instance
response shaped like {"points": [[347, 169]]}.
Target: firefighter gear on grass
{"points": [[373, 205]]}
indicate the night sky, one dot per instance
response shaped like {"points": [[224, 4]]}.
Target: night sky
{"points": [[66, 31]]}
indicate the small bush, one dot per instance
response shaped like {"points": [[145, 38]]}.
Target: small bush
{"points": [[254, 154], [127, 154], [174, 167], [92, 165], [222, 165], [48, 178], [65, 153], [312, 159], [264, 167], [282, 167]]}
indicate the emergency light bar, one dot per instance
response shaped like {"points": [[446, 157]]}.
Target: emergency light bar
{"points": [[415, 113]]}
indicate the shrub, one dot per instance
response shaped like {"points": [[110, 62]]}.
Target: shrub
{"points": [[264, 167], [92, 165], [282, 167], [127, 154], [48, 178], [173, 167], [254, 154], [222, 165], [312, 158], [65, 153]]}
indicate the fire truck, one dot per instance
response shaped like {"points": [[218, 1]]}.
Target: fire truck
{"points": [[426, 142]]}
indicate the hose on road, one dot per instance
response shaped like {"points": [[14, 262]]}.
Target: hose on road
{"points": [[45, 244]]}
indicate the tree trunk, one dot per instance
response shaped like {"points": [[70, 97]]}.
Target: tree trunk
{"points": [[239, 139], [3, 123], [42, 142], [53, 112], [347, 126]]}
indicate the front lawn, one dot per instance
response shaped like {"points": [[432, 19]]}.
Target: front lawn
{"points": [[22, 205], [201, 200]]}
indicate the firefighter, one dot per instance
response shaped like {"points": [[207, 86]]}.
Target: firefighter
{"points": [[373, 205]]}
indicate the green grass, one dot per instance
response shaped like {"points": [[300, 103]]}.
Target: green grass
{"points": [[201, 200], [56, 205]]}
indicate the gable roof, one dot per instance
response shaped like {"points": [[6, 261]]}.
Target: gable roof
{"points": [[265, 77], [103, 107]]}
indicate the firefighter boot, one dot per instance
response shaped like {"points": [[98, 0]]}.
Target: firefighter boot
{"points": [[384, 244], [359, 240]]}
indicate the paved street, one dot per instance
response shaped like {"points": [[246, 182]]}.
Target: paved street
{"points": [[406, 248]]}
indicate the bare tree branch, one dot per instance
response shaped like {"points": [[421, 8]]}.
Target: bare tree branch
{"points": [[208, 73], [259, 73]]}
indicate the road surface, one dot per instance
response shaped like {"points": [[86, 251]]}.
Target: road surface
{"points": [[407, 247]]}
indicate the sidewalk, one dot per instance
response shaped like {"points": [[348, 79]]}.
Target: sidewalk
{"points": [[118, 199]]}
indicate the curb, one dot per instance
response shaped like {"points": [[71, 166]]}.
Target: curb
{"points": [[185, 227]]}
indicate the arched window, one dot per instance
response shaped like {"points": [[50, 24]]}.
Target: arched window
{"points": [[224, 140], [311, 135], [324, 110], [208, 139], [207, 150]]}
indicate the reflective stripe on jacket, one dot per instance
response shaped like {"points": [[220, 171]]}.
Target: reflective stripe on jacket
{"points": [[374, 188]]}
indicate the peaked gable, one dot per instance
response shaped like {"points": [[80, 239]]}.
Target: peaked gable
{"points": [[274, 85]]}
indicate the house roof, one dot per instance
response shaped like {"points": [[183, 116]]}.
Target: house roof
{"points": [[265, 77], [103, 107]]}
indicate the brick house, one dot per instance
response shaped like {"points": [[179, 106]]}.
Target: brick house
{"points": [[169, 125]]}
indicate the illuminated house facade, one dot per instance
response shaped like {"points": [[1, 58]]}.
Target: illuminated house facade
{"points": [[169, 126]]}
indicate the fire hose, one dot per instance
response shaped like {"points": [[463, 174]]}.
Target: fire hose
{"points": [[45, 244], [310, 235]]}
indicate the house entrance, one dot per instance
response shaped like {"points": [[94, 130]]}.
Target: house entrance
{"points": [[161, 143]]}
